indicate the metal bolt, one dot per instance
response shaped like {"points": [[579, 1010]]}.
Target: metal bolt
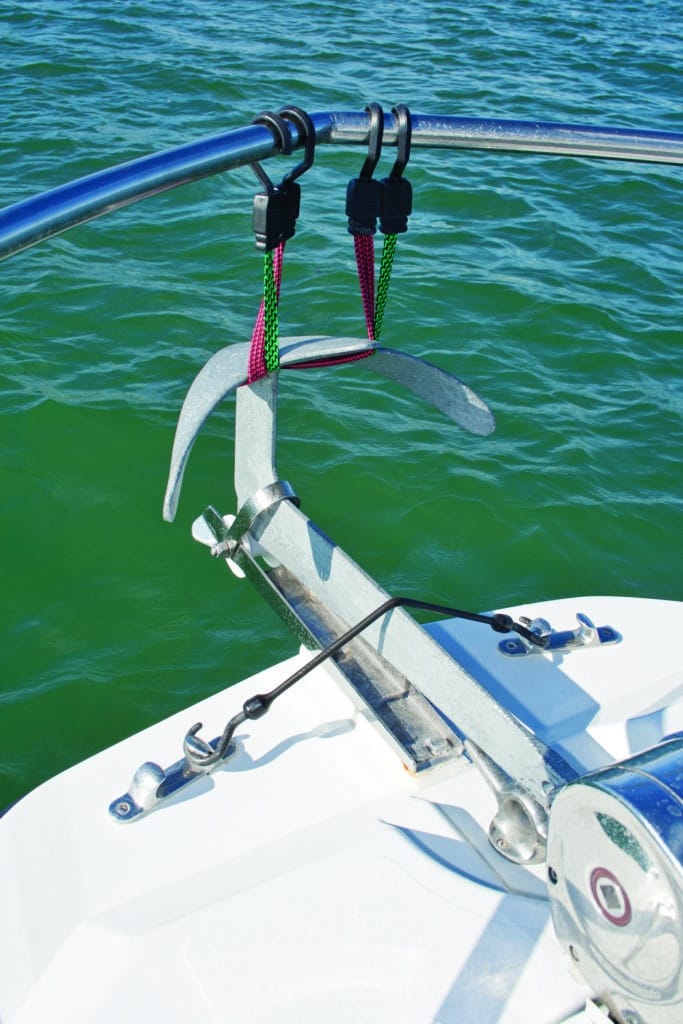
{"points": [[224, 549], [122, 808]]}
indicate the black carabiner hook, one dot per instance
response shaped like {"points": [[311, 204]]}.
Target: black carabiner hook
{"points": [[305, 126], [404, 134], [375, 136], [276, 211], [396, 202], [282, 138]]}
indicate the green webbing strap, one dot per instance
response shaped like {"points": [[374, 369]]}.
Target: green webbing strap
{"points": [[386, 263], [271, 348]]}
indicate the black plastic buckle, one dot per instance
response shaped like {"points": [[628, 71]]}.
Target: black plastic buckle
{"points": [[363, 194], [396, 200], [275, 215], [276, 209]]}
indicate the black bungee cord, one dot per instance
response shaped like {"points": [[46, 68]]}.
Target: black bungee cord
{"points": [[201, 756]]}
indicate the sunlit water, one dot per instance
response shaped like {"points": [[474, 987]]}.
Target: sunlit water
{"points": [[551, 285]]}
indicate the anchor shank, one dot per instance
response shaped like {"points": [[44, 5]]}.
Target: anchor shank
{"points": [[255, 431], [289, 538], [350, 594]]}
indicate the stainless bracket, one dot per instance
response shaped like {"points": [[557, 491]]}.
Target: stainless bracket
{"points": [[228, 538], [558, 641]]}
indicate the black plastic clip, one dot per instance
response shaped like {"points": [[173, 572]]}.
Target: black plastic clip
{"points": [[396, 202], [363, 194], [277, 208], [306, 127]]}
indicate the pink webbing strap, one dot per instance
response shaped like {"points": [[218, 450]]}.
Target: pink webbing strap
{"points": [[257, 363], [364, 246], [258, 359], [316, 364]]}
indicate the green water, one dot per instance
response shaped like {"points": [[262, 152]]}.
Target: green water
{"points": [[551, 285]]}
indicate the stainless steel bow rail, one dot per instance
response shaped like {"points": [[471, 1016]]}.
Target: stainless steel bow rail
{"points": [[35, 219]]}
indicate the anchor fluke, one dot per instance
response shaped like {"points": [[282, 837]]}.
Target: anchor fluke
{"points": [[228, 369]]}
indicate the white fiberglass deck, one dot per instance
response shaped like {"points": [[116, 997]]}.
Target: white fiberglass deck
{"points": [[311, 878]]}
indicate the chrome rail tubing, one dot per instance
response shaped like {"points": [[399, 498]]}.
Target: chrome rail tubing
{"points": [[32, 220]]}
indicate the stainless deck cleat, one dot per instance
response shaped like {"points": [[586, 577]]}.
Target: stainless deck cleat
{"points": [[153, 785], [560, 641]]}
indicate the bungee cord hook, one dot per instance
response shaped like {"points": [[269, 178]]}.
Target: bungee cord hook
{"points": [[396, 201], [275, 215], [277, 208], [404, 134], [375, 138], [283, 141], [390, 200], [305, 125], [363, 192]]}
